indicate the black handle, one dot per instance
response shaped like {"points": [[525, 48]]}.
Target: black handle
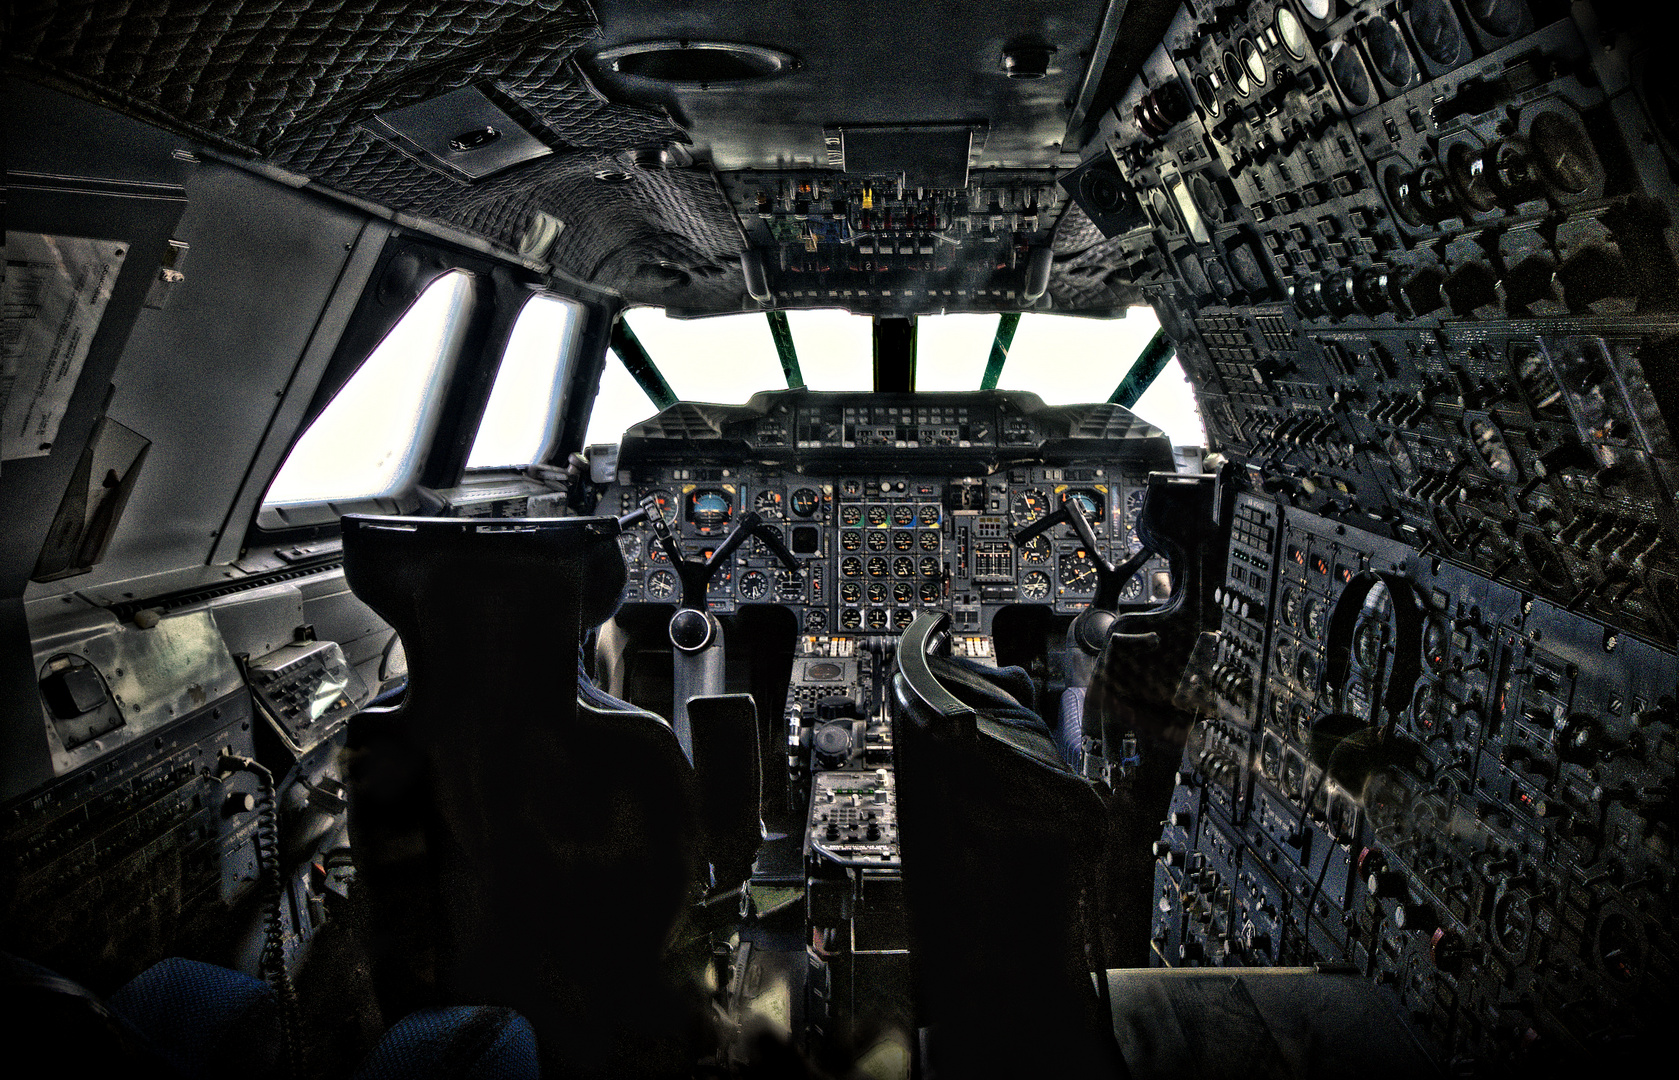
{"points": [[928, 632]]}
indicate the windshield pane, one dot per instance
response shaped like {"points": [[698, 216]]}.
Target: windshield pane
{"points": [[725, 359], [519, 417], [363, 443], [836, 349], [1069, 361], [951, 350], [620, 403], [1169, 404]]}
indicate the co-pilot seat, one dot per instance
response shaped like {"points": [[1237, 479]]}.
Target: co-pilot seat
{"points": [[517, 845], [1002, 846]]}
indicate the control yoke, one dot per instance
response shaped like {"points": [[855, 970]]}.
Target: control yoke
{"points": [[1094, 624], [696, 574]]}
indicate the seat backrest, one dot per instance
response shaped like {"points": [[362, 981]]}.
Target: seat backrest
{"points": [[1001, 843], [541, 850]]}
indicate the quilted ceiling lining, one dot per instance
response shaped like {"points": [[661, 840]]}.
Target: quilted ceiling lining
{"points": [[290, 81]]}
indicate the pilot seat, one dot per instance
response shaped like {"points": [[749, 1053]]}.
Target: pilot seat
{"points": [[522, 838]]}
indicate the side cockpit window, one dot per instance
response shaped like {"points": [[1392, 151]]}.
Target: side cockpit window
{"points": [[367, 442], [518, 422]]}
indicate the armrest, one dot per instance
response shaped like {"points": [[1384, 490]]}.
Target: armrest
{"points": [[729, 775]]}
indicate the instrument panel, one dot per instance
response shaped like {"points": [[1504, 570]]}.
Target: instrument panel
{"points": [[878, 548]]}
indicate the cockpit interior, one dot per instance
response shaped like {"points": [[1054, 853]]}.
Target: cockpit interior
{"points": [[706, 539]]}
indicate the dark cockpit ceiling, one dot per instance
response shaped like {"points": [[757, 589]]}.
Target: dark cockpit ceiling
{"points": [[641, 184]]}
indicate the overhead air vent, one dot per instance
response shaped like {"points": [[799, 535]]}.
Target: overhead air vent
{"points": [[695, 64], [462, 134]]}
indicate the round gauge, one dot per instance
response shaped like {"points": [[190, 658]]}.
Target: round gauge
{"points": [[1133, 542], [1209, 97], [1035, 585], [1254, 62], [929, 540], [1434, 638], [903, 566], [851, 540], [1078, 571], [655, 551], [1134, 503], [1028, 505], [877, 566], [1425, 706], [1306, 670], [878, 515], [877, 592], [1356, 698], [851, 566], [1237, 74], [663, 499], [806, 502], [1349, 73], [1092, 504], [709, 511], [788, 582], [1294, 774], [1318, 9], [929, 516], [851, 514], [1565, 153], [930, 567], [754, 584], [1291, 607], [816, 620], [767, 503], [903, 515], [903, 540], [1035, 552], [661, 584], [1316, 613], [877, 539], [1369, 637], [931, 593], [902, 617], [1387, 51], [1489, 441], [851, 592], [851, 619], [1270, 757], [1292, 33], [903, 592], [1132, 590], [878, 618], [761, 548]]}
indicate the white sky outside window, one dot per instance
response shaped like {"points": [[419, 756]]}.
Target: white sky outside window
{"points": [[724, 360], [1070, 361], [836, 349], [620, 403], [520, 412], [951, 350], [1169, 404], [364, 443]]}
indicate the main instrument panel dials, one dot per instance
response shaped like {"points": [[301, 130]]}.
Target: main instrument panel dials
{"points": [[1132, 590], [878, 515], [877, 566], [851, 619], [661, 584], [1317, 612], [877, 592], [767, 502], [709, 510], [851, 592], [806, 502], [655, 551], [930, 567], [903, 514], [903, 566], [851, 566], [929, 516], [851, 540], [851, 514], [903, 540], [903, 592], [929, 540], [1078, 571], [877, 539], [1093, 504], [931, 593], [1035, 552], [1028, 506], [1035, 585], [754, 585]]}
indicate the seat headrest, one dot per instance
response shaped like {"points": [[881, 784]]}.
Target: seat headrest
{"points": [[394, 563]]}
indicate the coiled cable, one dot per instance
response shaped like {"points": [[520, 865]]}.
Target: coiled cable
{"points": [[271, 962]]}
